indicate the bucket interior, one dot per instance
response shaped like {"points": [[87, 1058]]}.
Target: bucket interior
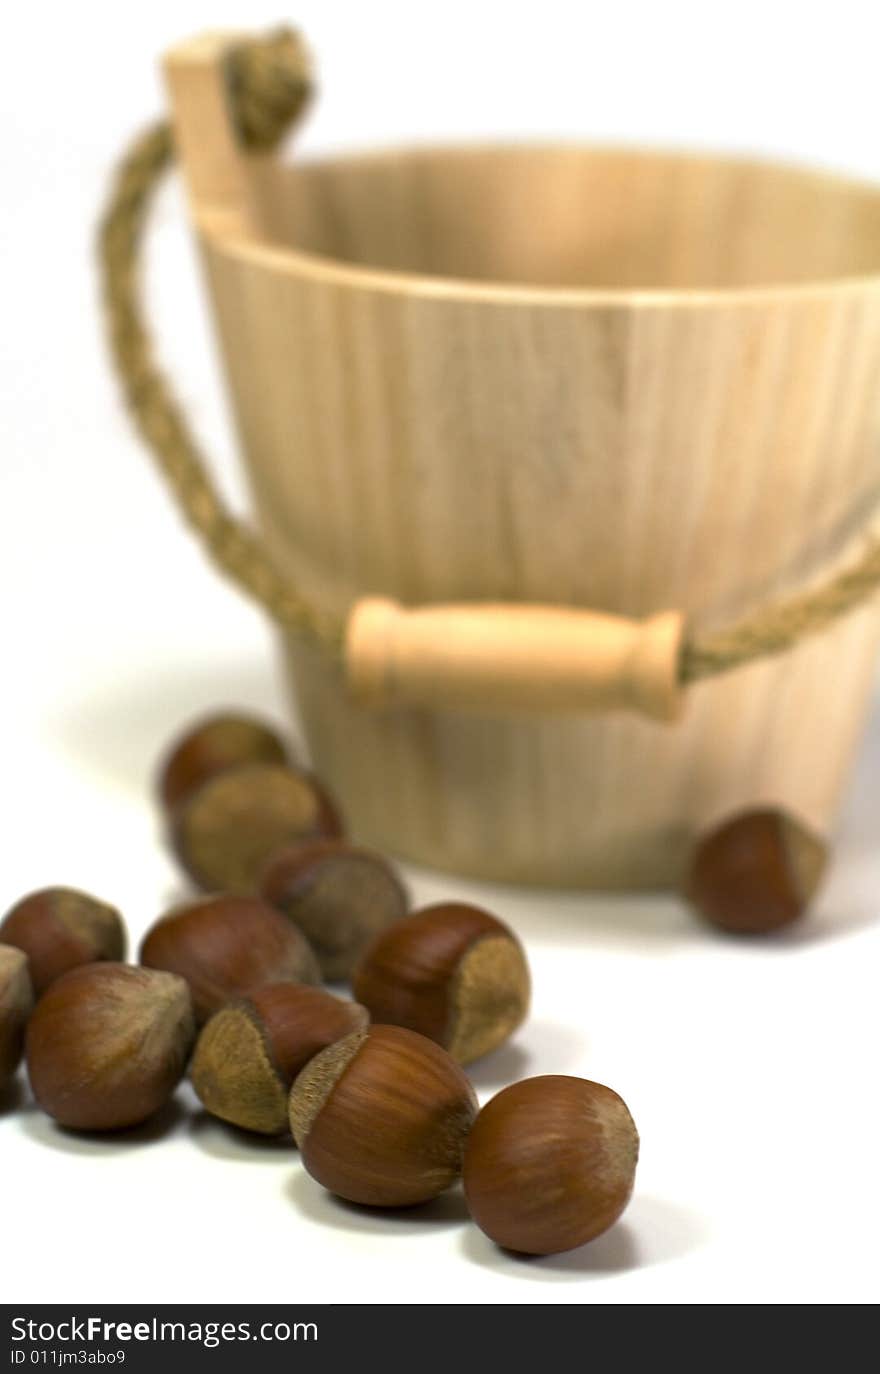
{"points": [[579, 217]]}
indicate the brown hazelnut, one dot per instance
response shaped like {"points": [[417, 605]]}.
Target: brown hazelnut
{"points": [[550, 1164], [249, 1053], [226, 947], [16, 1003], [339, 896], [214, 745], [757, 872], [108, 1044], [226, 831], [451, 972], [381, 1117], [59, 928]]}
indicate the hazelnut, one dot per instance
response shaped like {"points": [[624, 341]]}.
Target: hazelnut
{"points": [[16, 1002], [250, 1052], [108, 1044], [226, 947], [451, 972], [381, 1117], [226, 831], [550, 1164], [59, 928], [212, 746], [340, 897], [757, 872]]}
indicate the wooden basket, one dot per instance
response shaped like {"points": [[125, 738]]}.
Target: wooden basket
{"points": [[563, 376]]}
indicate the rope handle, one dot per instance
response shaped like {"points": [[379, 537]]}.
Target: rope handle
{"points": [[438, 656]]}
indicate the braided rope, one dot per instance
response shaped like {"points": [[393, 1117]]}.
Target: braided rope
{"points": [[269, 85], [268, 88], [780, 626]]}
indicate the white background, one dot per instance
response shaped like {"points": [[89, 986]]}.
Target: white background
{"points": [[751, 1070]]}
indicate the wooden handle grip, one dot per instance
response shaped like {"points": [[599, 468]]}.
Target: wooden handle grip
{"points": [[511, 658]]}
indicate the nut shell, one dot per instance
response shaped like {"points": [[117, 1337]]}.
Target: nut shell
{"points": [[59, 928], [108, 1044], [341, 897], [452, 972], [381, 1117], [16, 1004], [226, 831], [227, 947], [550, 1164], [249, 1053], [213, 745], [756, 873]]}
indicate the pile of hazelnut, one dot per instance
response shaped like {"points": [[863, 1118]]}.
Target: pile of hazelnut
{"points": [[372, 1090]]}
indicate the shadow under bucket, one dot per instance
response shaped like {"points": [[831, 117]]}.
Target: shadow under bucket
{"points": [[555, 378]]}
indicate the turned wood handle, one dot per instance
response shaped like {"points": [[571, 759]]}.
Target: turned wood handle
{"points": [[488, 657]]}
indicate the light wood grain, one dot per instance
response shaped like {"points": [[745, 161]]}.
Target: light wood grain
{"points": [[617, 380], [572, 216], [217, 174]]}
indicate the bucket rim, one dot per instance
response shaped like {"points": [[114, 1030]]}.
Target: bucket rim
{"points": [[231, 234]]}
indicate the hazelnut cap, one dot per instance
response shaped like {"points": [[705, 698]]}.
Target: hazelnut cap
{"points": [[550, 1164], [16, 1004], [756, 872], [250, 1051], [452, 972], [226, 831], [381, 1117], [339, 895]]}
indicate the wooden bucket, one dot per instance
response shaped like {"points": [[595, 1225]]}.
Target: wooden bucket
{"points": [[563, 376]]}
